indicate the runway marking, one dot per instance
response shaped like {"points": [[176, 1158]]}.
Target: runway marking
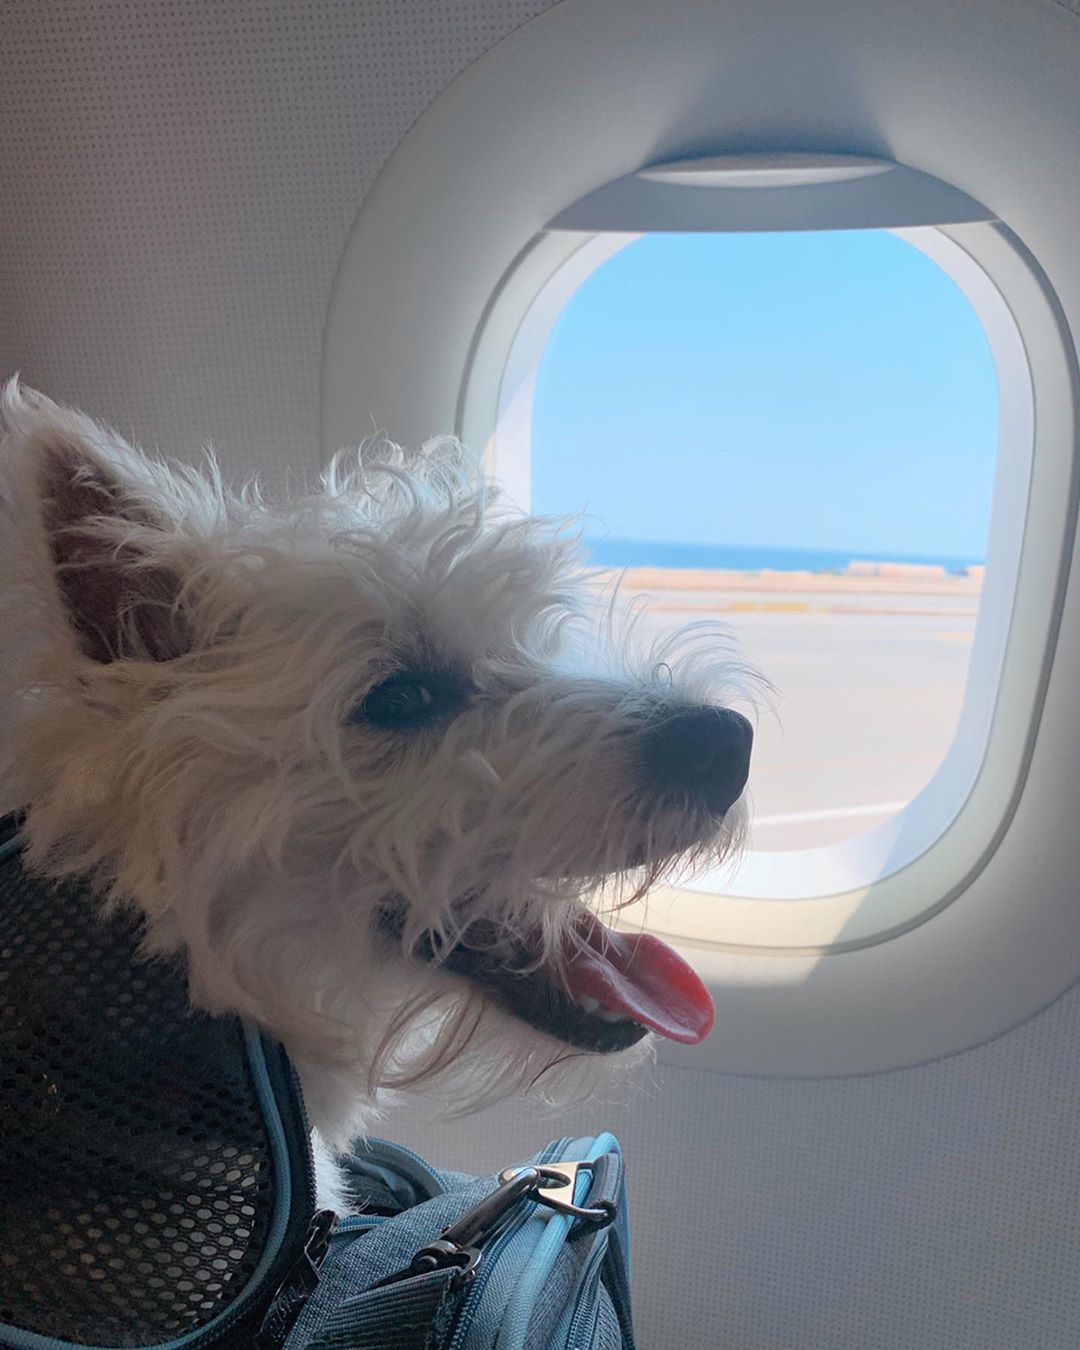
{"points": [[829, 813], [767, 607], [807, 607]]}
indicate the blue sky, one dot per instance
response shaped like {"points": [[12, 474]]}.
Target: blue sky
{"points": [[810, 391]]}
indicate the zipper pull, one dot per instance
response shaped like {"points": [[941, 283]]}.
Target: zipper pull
{"points": [[300, 1279], [459, 1244]]}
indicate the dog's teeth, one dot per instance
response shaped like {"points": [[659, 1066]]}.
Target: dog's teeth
{"points": [[593, 1008]]}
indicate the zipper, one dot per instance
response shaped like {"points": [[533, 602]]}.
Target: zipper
{"points": [[274, 1105], [305, 1127], [302, 1276], [458, 1249], [513, 1330], [297, 1286], [357, 1223], [11, 845], [491, 1258], [588, 1276], [252, 1298], [476, 1292]]}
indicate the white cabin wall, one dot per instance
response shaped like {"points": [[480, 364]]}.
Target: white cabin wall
{"points": [[177, 182], [936, 1207]]}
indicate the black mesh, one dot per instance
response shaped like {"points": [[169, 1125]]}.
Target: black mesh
{"points": [[136, 1183]]}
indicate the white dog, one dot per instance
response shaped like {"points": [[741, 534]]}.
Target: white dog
{"points": [[352, 756]]}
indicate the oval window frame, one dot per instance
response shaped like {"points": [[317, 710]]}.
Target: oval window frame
{"points": [[840, 897]]}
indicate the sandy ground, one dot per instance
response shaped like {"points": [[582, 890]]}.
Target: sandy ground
{"points": [[869, 673]]}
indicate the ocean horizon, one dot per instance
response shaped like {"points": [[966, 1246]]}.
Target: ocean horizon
{"points": [[753, 558]]}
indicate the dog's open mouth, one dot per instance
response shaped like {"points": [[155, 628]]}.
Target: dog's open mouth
{"points": [[609, 990]]}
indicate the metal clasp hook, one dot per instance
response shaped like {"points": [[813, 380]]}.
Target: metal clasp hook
{"points": [[556, 1191]]}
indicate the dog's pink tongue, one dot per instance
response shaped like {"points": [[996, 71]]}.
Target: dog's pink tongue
{"points": [[640, 977]]}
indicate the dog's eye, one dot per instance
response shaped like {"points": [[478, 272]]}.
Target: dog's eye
{"points": [[410, 701]]}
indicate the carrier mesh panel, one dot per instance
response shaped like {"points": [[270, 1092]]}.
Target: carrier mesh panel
{"points": [[135, 1172]]}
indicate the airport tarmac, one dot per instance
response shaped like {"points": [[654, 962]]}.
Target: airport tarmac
{"points": [[869, 685]]}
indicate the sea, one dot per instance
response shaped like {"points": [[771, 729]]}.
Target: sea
{"points": [[736, 558]]}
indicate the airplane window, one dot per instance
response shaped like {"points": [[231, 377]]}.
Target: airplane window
{"points": [[794, 434]]}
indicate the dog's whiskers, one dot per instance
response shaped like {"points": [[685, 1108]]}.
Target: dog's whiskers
{"points": [[474, 760]]}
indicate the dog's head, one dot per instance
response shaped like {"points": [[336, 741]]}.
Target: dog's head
{"points": [[374, 759]]}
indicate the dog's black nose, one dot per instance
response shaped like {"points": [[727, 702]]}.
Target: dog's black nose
{"points": [[703, 751]]}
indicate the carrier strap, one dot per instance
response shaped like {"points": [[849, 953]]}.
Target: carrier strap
{"points": [[411, 1314]]}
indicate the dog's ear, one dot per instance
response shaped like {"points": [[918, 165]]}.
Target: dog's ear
{"points": [[104, 512]]}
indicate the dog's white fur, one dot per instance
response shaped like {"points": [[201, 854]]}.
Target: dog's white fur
{"points": [[208, 771]]}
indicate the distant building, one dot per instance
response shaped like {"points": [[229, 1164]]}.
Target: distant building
{"points": [[901, 571]]}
